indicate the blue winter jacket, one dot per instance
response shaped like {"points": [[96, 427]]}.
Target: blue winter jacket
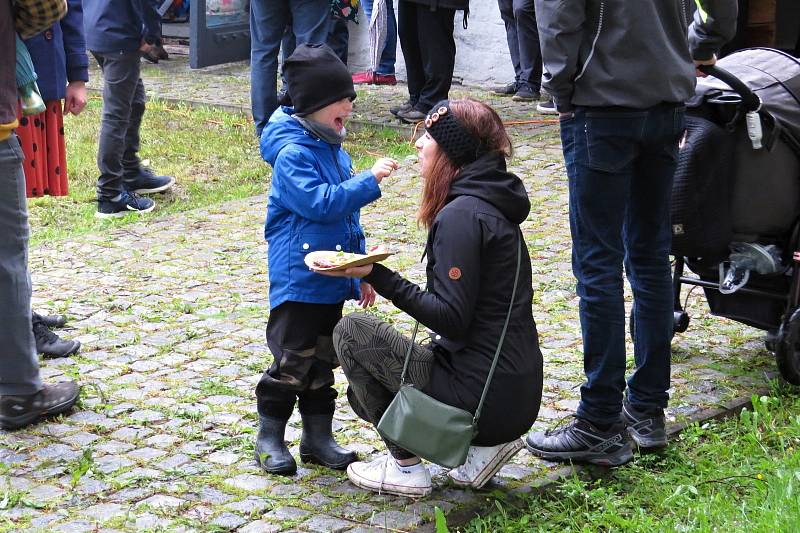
{"points": [[59, 54], [114, 26], [313, 205]]}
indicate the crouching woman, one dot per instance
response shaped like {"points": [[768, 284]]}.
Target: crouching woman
{"points": [[472, 208]]}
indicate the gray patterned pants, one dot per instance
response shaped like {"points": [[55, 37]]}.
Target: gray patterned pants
{"points": [[372, 353]]}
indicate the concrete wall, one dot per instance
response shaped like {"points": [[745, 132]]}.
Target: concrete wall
{"points": [[482, 57]]}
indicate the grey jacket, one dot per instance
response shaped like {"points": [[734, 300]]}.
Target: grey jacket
{"points": [[630, 53]]}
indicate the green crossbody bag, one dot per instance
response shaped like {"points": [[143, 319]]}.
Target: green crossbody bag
{"points": [[433, 430]]}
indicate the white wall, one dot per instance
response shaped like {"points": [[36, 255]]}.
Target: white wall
{"points": [[482, 57]]}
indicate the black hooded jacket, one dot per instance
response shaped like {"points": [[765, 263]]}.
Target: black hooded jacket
{"points": [[472, 258]]}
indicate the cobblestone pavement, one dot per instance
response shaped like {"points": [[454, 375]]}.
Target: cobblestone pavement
{"points": [[171, 313]]}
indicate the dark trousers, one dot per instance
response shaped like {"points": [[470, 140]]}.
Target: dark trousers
{"points": [[519, 17], [429, 49], [620, 164], [19, 373], [299, 337], [372, 354], [310, 21], [123, 108]]}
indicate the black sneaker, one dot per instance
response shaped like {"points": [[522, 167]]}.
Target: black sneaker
{"points": [[145, 182], [128, 202], [581, 442], [51, 345], [506, 90], [413, 115], [647, 430], [19, 410], [402, 108], [526, 94], [547, 107], [51, 321]]}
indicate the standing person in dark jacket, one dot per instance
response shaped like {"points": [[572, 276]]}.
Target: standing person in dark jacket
{"points": [[426, 37], [519, 17], [117, 34], [473, 208], [23, 396], [619, 73]]}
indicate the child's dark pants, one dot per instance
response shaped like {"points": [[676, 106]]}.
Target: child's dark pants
{"points": [[299, 337]]}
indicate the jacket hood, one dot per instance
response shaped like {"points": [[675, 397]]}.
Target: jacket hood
{"points": [[282, 130], [487, 179]]}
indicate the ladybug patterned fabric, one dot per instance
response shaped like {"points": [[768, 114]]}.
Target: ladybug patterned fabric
{"points": [[42, 140]]}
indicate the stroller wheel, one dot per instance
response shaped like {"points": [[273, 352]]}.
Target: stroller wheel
{"points": [[787, 349]]}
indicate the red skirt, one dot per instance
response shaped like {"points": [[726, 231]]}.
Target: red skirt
{"points": [[42, 139]]}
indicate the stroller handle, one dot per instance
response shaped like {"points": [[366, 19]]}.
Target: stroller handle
{"points": [[750, 101]]}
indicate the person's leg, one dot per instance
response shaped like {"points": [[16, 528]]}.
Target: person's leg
{"points": [[600, 175], [372, 353], [20, 373], [317, 400], [268, 20], [408, 15], [120, 82], [23, 396], [530, 55], [131, 164], [507, 14], [438, 52], [311, 21], [648, 239], [389, 54], [338, 39], [600, 152]]}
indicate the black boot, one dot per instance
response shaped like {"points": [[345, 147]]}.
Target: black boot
{"points": [[271, 452], [51, 345], [317, 444]]}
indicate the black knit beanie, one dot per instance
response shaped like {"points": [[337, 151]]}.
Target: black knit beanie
{"points": [[315, 77], [458, 143]]}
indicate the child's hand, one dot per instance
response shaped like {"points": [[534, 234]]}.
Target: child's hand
{"points": [[367, 295], [384, 167]]}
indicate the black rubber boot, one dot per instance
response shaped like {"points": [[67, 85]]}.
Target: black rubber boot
{"points": [[271, 452], [317, 445]]}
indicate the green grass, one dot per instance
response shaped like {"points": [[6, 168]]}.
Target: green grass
{"points": [[740, 474], [213, 154]]}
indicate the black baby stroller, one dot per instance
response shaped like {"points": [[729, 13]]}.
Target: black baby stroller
{"points": [[737, 187]]}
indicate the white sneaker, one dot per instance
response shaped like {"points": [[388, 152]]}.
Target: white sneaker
{"points": [[384, 475], [547, 107], [483, 462]]}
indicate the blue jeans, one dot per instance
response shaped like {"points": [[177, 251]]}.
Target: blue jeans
{"points": [[389, 54], [19, 373], [309, 19], [620, 164]]}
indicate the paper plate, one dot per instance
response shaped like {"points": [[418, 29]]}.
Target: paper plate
{"points": [[343, 259]]}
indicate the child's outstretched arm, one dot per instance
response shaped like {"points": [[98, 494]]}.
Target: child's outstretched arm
{"points": [[303, 190]]}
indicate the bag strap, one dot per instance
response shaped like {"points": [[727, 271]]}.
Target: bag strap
{"points": [[499, 343], [502, 335]]}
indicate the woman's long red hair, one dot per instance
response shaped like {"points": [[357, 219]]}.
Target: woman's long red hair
{"points": [[482, 122]]}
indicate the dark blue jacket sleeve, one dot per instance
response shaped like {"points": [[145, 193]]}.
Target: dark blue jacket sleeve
{"points": [[77, 62]]}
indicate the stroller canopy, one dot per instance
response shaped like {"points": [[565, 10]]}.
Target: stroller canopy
{"points": [[773, 75]]}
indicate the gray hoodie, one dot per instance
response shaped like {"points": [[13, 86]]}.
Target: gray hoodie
{"points": [[630, 53]]}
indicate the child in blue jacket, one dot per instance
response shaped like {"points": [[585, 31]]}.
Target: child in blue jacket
{"points": [[314, 204]]}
